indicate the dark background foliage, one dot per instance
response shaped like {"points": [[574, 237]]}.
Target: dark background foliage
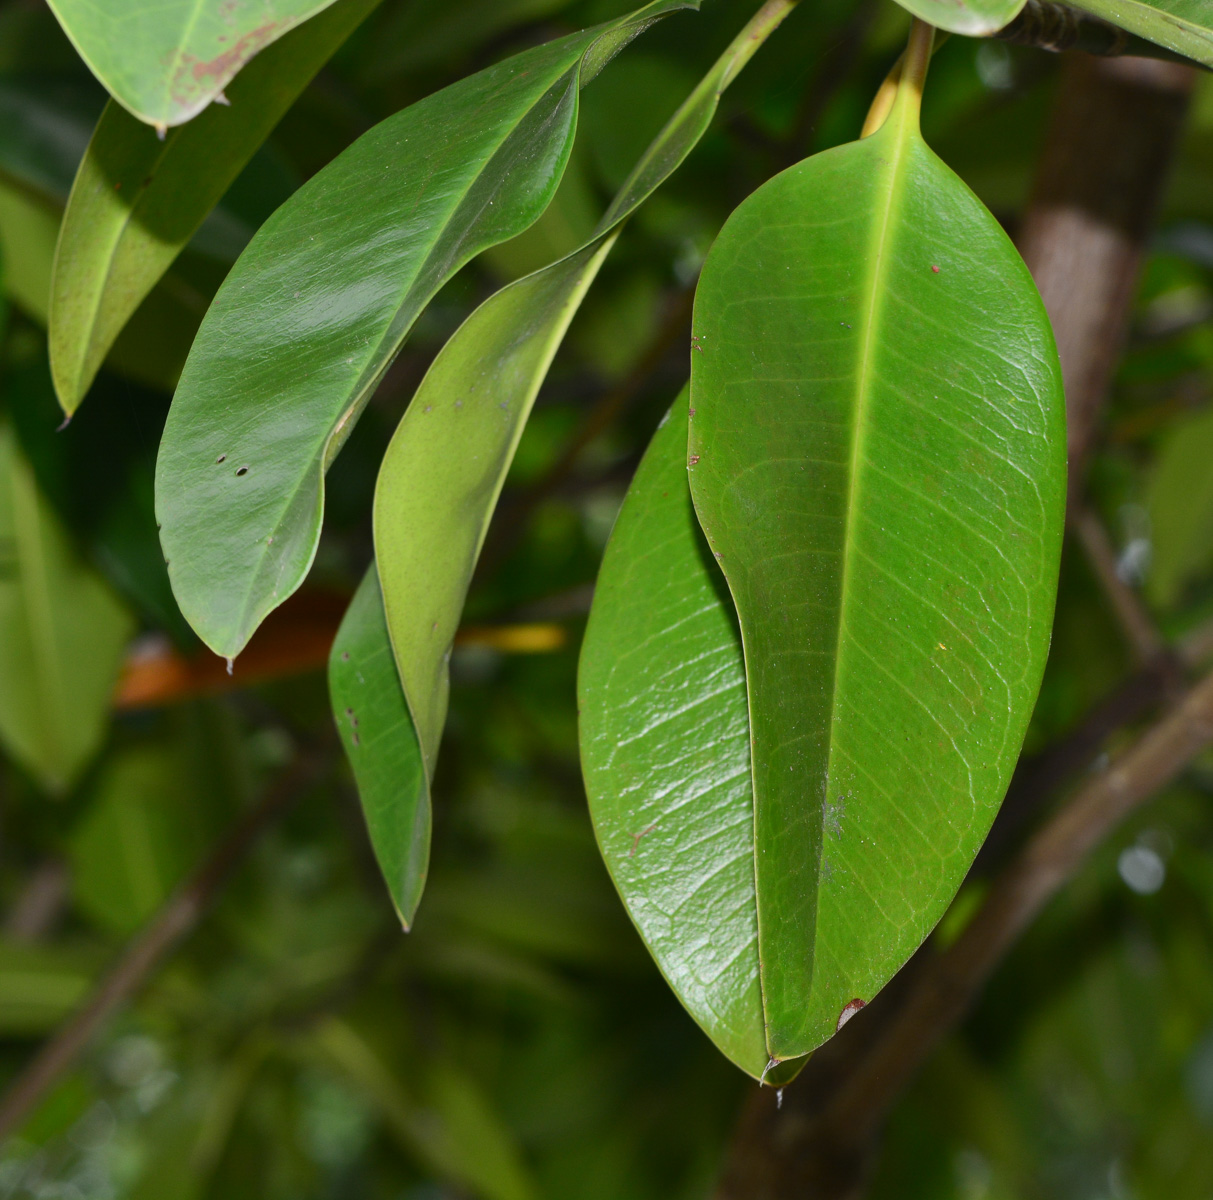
{"points": [[519, 1043]]}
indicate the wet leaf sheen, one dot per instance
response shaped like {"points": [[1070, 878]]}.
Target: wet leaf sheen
{"points": [[876, 457]]}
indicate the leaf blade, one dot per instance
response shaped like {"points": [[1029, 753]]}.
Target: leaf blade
{"points": [[304, 335], [972, 18], [825, 412], [164, 63], [62, 635], [665, 750], [137, 201], [447, 462], [382, 747]]}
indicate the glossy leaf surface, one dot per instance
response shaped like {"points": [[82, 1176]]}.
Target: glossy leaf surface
{"points": [[1185, 26], [877, 459], [448, 460], [166, 61], [380, 741], [972, 18], [665, 750], [62, 635], [314, 312], [137, 200]]}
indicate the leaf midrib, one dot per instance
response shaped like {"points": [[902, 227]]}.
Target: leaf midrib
{"points": [[872, 312]]}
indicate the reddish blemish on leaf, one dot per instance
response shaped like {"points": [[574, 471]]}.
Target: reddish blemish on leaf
{"points": [[192, 71]]}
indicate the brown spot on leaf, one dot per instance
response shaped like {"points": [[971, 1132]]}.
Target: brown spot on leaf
{"points": [[848, 1011]]}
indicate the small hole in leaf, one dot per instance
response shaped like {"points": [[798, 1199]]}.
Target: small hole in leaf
{"points": [[221, 458], [242, 470]]}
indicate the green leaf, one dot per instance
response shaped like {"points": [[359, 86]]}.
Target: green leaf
{"points": [[1180, 504], [318, 306], [450, 1126], [381, 744], [876, 457], [41, 985], [62, 635], [137, 201], [973, 18], [155, 342], [137, 839], [165, 62], [447, 462], [666, 754], [28, 228], [1185, 26]]}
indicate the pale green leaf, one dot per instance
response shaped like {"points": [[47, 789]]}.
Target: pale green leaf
{"points": [[62, 635], [1180, 504], [446, 464], [316, 309], [166, 60], [137, 200]]}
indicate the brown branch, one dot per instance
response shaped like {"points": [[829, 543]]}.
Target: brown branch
{"points": [[294, 639], [1047, 25], [1098, 187], [145, 952], [1135, 622], [819, 1145], [946, 988]]}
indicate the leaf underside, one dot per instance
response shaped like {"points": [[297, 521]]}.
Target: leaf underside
{"points": [[381, 744], [972, 18], [166, 61], [137, 200], [443, 472]]}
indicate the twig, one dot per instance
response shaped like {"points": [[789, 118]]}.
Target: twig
{"points": [[1135, 622], [820, 1144], [1047, 25], [146, 951], [947, 987]]}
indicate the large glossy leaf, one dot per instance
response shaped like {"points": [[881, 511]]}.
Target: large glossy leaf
{"points": [[314, 312], [137, 200], [62, 635], [448, 460], [970, 17], [381, 743], [1185, 26], [877, 459], [166, 61]]}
